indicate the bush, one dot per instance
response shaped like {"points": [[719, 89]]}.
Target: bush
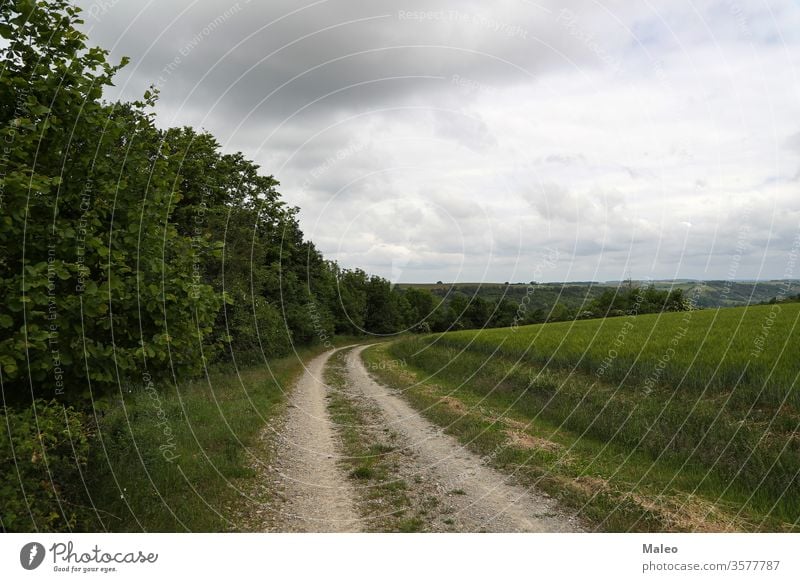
{"points": [[43, 451]]}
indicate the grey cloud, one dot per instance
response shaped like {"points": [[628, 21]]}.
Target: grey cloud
{"points": [[469, 130], [554, 202], [578, 125], [793, 142], [252, 49]]}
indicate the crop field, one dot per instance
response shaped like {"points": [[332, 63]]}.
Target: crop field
{"points": [[750, 354], [699, 405]]}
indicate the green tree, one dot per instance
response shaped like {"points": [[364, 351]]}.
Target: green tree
{"points": [[421, 304], [227, 205], [504, 314], [387, 310], [350, 300], [97, 279]]}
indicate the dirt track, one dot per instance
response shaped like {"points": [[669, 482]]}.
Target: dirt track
{"points": [[316, 495], [485, 500]]}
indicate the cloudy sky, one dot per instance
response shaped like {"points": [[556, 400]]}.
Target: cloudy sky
{"points": [[503, 141]]}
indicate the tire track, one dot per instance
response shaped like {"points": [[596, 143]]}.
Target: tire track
{"points": [[316, 496], [486, 500]]}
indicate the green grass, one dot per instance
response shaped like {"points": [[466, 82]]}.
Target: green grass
{"points": [[211, 424], [706, 440], [715, 351]]}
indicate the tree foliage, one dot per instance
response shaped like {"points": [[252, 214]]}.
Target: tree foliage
{"points": [[96, 276]]}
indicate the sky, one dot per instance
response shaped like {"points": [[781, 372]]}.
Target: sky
{"points": [[507, 141]]}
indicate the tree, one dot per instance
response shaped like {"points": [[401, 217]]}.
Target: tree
{"points": [[350, 302], [98, 280], [504, 314], [478, 312], [421, 306], [387, 311], [459, 303], [559, 312]]}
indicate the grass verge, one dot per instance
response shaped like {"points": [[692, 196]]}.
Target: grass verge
{"points": [[172, 460]]}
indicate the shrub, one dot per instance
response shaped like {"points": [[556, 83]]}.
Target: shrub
{"points": [[43, 451]]}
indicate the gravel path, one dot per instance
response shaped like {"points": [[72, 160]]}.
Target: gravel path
{"points": [[485, 500], [448, 485], [316, 495]]}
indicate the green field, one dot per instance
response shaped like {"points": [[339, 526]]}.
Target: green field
{"points": [[646, 418]]}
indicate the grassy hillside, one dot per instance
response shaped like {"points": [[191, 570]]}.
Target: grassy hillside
{"points": [[674, 421], [745, 352]]}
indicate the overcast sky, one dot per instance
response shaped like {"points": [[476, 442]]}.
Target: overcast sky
{"points": [[503, 141]]}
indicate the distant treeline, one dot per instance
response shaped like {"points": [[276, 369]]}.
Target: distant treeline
{"points": [[782, 299], [459, 311], [575, 296]]}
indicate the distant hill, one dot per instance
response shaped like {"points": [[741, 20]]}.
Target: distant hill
{"points": [[575, 295], [733, 293]]}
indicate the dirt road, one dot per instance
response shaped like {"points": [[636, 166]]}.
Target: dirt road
{"points": [[317, 496], [485, 500], [454, 485]]}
